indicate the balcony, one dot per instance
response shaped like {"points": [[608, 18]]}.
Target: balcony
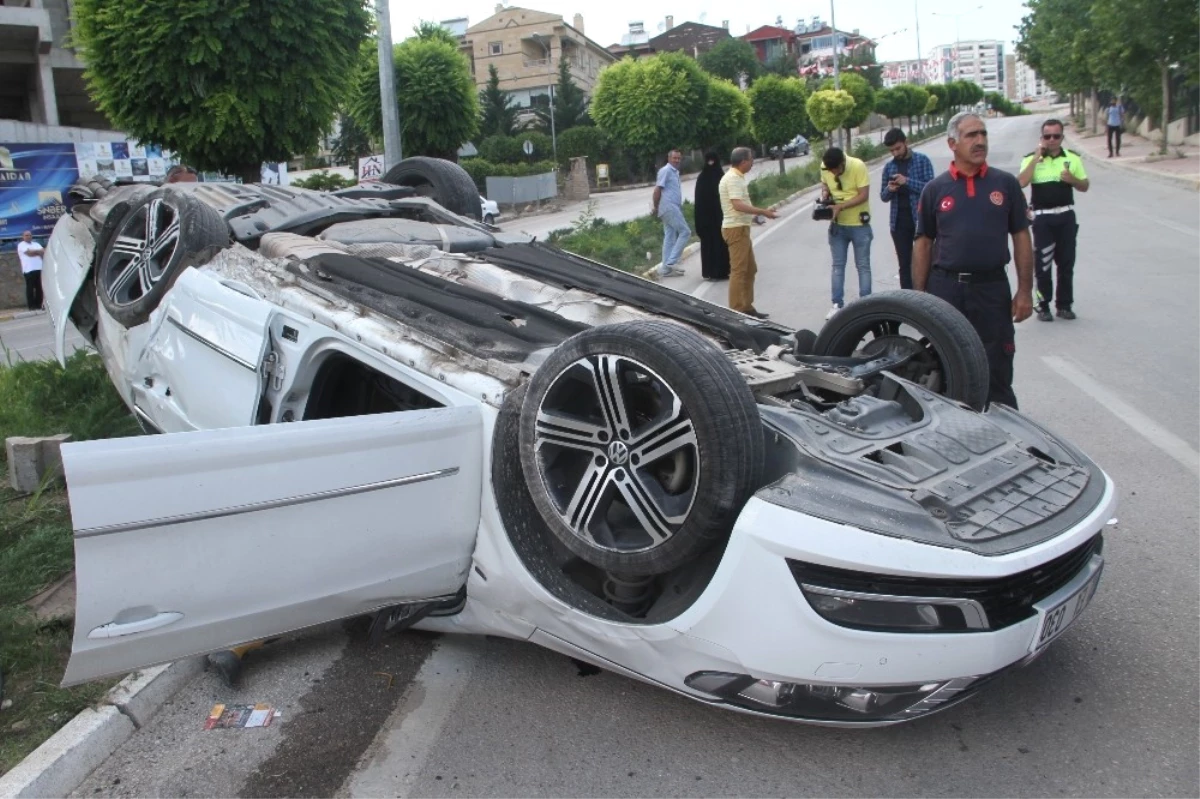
{"points": [[25, 29]]}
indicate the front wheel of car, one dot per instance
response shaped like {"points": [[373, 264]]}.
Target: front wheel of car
{"points": [[943, 352], [491, 220], [640, 443], [150, 245]]}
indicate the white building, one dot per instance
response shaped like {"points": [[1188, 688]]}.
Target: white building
{"points": [[980, 61], [1030, 85]]}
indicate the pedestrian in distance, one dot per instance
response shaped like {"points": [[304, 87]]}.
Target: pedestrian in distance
{"points": [[904, 178], [845, 182], [668, 206], [30, 253], [1054, 173], [1115, 117], [965, 218], [737, 216], [714, 254]]}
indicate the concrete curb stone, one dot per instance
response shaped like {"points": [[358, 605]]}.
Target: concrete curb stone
{"points": [[1187, 181], [63, 762]]}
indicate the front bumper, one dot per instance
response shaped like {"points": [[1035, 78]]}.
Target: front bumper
{"points": [[788, 656]]}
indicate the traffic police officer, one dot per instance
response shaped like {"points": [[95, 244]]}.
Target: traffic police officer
{"points": [[964, 220], [1055, 173]]}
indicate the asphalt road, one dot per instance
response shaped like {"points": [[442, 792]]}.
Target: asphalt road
{"points": [[31, 338], [1111, 709]]}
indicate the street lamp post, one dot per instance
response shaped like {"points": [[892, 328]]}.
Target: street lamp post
{"points": [[537, 37], [392, 143]]}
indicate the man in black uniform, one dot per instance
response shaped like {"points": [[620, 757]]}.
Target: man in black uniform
{"points": [[1055, 173], [964, 220]]}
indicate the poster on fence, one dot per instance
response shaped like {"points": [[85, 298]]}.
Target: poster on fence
{"points": [[34, 179]]}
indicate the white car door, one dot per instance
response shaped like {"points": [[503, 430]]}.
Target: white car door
{"points": [[191, 542], [204, 334]]}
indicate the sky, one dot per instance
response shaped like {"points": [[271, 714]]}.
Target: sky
{"points": [[892, 24]]}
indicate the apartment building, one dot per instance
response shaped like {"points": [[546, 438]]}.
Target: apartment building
{"points": [[526, 47], [41, 80], [1029, 85], [980, 61], [893, 73]]}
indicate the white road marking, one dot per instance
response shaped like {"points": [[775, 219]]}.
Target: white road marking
{"points": [[397, 756], [1142, 424]]}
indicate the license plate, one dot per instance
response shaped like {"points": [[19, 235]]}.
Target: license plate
{"points": [[1063, 611]]}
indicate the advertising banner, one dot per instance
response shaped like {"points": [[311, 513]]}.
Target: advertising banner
{"points": [[34, 179]]}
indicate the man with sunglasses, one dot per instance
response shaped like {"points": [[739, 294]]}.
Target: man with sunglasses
{"points": [[844, 179], [1055, 173]]}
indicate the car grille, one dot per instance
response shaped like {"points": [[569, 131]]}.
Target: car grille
{"points": [[1006, 600]]}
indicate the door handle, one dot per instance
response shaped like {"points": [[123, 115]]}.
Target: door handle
{"points": [[117, 629]]}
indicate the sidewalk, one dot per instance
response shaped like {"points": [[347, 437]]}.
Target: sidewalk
{"points": [[1141, 155], [7, 315]]}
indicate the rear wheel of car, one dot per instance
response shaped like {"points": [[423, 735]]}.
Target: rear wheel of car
{"points": [[945, 353], [444, 182], [640, 443], [491, 220], [154, 240]]}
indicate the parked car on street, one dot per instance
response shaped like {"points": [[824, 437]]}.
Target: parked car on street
{"points": [[489, 210], [797, 146], [367, 402]]}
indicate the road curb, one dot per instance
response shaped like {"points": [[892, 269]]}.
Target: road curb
{"points": [[63, 762], [11, 315]]}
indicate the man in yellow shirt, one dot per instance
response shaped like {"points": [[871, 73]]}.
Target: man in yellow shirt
{"points": [[735, 229], [844, 180]]}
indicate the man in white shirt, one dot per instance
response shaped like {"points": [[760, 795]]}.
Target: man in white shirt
{"points": [[30, 253]]}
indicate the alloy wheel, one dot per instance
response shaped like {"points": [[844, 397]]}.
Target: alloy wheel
{"points": [[142, 250], [617, 453]]}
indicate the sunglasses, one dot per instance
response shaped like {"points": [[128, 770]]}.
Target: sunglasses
{"points": [[1052, 136], [837, 178]]}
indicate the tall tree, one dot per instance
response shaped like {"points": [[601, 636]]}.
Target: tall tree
{"points": [[726, 117], [439, 109], [778, 111], [497, 108], [731, 59], [352, 142], [570, 103], [181, 77], [431, 31], [862, 62]]}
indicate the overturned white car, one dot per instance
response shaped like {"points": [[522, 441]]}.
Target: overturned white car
{"points": [[370, 404]]}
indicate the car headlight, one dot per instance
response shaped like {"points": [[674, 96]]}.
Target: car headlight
{"points": [[884, 612]]}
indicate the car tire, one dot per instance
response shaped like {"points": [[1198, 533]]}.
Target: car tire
{"points": [[176, 229], [445, 182], [646, 468], [949, 359], [491, 220]]}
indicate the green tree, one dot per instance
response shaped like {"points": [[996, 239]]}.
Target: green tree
{"points": [[785, 65], [439, 109], [911, 101], [433, 32], [570, 103], [181, 77], [730, 59], [890, 103], [778, 111], [864, 99], [726, 117], [829, 108], [650, 105], [941, 99], [862, 62], [352, 142], [497, 108]]}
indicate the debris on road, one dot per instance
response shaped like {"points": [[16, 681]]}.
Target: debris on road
{"points": [[225, 716]]}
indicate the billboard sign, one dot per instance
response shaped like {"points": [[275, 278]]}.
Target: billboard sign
{"points": [[34, 179]]}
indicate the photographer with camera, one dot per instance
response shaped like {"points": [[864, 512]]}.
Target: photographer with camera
{"points": [[845, 201]]}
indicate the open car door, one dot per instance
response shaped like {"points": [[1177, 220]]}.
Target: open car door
{"points": [[191, 542]]}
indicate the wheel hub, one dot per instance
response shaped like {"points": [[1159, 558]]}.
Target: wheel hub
{"points": [[618, 452]]}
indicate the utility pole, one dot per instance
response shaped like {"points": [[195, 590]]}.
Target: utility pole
{"points": [[550, 87], [837, 82], [920, 55], [393, 147]]}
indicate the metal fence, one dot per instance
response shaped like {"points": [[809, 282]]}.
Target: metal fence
{"points": [[511, 191]]}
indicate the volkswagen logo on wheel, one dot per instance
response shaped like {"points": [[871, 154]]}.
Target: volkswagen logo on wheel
{"points": [[618, 453]]}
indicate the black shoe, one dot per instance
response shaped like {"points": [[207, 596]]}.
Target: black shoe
{"points": [[758, 314], [1043, 315], [1066, 313]]}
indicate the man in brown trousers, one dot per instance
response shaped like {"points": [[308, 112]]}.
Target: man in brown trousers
{"points": [[735, 229]]}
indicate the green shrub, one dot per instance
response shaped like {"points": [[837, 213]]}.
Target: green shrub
{"points": [[324, 181], [543, 145], [773, 187], [501, 150], [622, 245], [584, 140], [867, 150]]}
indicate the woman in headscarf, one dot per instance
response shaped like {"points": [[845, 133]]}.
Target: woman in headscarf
{"points": [[714, 254]]}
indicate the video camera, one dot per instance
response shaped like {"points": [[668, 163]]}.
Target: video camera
{"points": [[823, 212]]}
